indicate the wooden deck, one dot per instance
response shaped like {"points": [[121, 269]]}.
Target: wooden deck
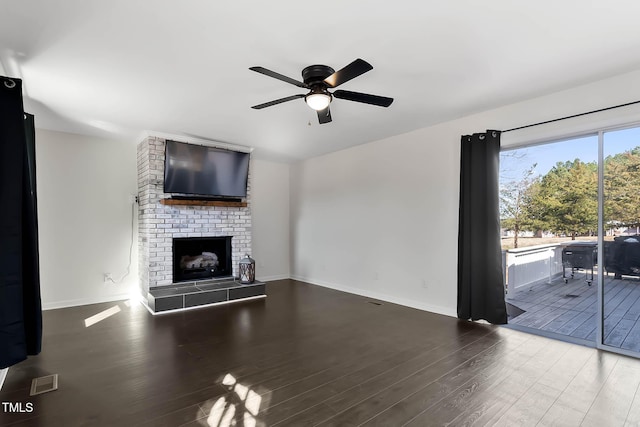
{"points": [[571, 309]]}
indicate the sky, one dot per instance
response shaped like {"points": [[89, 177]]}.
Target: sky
{"points": [[514, 163]]}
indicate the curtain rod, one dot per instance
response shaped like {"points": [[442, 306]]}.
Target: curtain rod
{"points": [[573, 116]]}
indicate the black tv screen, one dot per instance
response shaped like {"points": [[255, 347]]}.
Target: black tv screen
{"points": [[206, 171]]}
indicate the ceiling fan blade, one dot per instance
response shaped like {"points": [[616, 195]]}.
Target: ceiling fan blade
{"points": [[381, 101], [324, 116], [278, 76], [276, 102], [351, 71]]}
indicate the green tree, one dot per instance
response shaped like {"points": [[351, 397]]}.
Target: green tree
{"points": [[622, 189], [565, 199], [515, 200]]}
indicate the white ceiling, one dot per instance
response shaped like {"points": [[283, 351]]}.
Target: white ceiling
{"points": [[119, 67]]}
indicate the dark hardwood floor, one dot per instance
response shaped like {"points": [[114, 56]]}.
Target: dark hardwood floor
{"points": [[308, 356]]}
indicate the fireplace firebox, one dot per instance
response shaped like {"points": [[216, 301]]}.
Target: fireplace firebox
{"points": [[198, 258]]}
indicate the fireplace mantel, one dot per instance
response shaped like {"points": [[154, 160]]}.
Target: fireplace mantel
{"points": [[195, 202]]}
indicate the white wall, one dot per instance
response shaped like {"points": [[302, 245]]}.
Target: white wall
{"points": [[270, 217], [84, 212], [381, 219], [377, 219]]}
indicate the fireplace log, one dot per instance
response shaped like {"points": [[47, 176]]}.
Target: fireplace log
{"points": [[205, 259]]}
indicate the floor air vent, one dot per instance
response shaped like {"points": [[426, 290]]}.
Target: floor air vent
{"points": [[44, 384], [572, 296], [375, 303]]}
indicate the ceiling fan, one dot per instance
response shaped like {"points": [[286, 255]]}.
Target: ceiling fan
{"points": [[318, 79]]}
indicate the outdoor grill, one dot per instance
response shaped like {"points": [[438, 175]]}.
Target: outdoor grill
{"points": [[579, 256], [622, 256]]}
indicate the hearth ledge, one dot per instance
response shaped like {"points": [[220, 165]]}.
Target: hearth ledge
{"points": [[170, 299]]}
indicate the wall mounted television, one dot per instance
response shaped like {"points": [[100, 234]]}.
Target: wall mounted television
{"points": [[199, 170]]}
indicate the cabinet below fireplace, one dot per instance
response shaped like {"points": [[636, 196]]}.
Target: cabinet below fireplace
{"points": [[197, 294]]}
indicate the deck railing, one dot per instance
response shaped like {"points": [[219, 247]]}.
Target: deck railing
{"points": [[525, 267]]}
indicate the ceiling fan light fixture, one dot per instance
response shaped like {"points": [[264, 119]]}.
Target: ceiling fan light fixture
{"points": [[318, 101], [319, 79]]}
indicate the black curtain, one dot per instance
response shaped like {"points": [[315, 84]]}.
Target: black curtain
{"points": [[20, 306], [480, 279]]}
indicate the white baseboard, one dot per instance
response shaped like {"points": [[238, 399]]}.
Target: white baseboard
{"points": [[3, 375], [84, 301], [272, 278], [380, 296]]}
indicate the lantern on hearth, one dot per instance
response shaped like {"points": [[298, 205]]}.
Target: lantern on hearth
{"points": [[247, 268]]}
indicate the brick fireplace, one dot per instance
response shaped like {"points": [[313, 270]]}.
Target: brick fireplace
{"points": [[160, 224]]}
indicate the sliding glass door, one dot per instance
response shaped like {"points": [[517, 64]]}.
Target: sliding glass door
{"points": [[549, 215], [620, 225], [570, 214]]}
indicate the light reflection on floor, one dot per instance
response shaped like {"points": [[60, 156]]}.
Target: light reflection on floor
{"points": [[89, 321], [239, 407]]}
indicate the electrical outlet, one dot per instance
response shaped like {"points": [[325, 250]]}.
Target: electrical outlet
{"points": [[133, 198], [424, 284], [107, 277]]}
